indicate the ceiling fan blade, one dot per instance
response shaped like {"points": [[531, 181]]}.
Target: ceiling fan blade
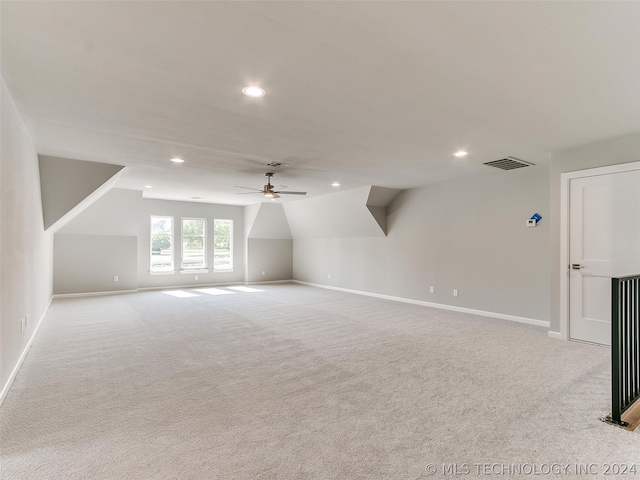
{"points": [[292, 193], [249, 188], [249, 193]]}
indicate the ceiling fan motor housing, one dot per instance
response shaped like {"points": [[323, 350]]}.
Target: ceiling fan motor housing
{"points": [[268, 190]]}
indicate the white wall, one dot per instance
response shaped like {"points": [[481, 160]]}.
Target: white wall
{"points": [[89, 263], [25, 248], [611, 152], [468, 234], [99, 243], [273, 256]]}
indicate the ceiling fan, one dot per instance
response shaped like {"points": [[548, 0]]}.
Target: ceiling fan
{"points": [[269, 190]]}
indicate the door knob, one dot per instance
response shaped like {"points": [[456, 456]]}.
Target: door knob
{"points": [[576, 266]]}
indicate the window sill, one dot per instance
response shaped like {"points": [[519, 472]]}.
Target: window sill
{"points": [[222, 270], [194, 270], [172, 272]]}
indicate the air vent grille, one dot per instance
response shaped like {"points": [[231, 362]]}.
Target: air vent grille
{"points": [[509, 163]]}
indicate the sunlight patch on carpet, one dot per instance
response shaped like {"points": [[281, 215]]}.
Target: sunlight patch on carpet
{"points": [[214, 291], [180, 293], [246, 289]]}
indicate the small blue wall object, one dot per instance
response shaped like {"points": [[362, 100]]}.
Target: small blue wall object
{"points": [[537, 217]]}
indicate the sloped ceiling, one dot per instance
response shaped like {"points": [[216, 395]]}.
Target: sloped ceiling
{"points": [[377, 203], [69, 186]]}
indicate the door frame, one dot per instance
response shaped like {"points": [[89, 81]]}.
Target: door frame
{"points": [[565, 208]]}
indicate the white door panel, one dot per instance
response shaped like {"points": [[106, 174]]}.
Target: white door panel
{"points": [[605, 243]]}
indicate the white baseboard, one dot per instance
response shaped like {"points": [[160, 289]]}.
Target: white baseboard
{"points": [[556, 335], [266, 282], [93, 294], [16, 369], [482, 313]]}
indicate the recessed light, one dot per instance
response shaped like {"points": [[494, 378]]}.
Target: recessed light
{"points": [[148, 186], [177, 160], [460, 154], [335, 184], [253, 91]]}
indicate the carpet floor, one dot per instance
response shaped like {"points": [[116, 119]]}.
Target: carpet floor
{"points": [[294, 382]]}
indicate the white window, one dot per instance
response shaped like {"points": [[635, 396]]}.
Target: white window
{"points": [[161, 245], [193, 244], [222, 244]]}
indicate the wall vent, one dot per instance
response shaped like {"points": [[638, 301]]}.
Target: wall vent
{"points": [[277, 164], [509, 163]]}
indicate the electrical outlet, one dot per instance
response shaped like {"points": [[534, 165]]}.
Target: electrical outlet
{"points": [[263, 273], [329, 276], [432, 289], [115, 278], [22, 324], [196, 277], [455, 292]]}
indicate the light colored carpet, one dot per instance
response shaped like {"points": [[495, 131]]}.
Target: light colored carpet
{"points": [[294, 382]]}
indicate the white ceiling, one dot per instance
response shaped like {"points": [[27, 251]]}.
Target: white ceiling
{"points": [[365, 93]]}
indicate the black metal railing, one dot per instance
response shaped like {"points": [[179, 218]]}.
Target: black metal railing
{"points": [[625, 345]]}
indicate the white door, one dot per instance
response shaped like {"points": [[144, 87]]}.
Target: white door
{"points": [[604, 243]]}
